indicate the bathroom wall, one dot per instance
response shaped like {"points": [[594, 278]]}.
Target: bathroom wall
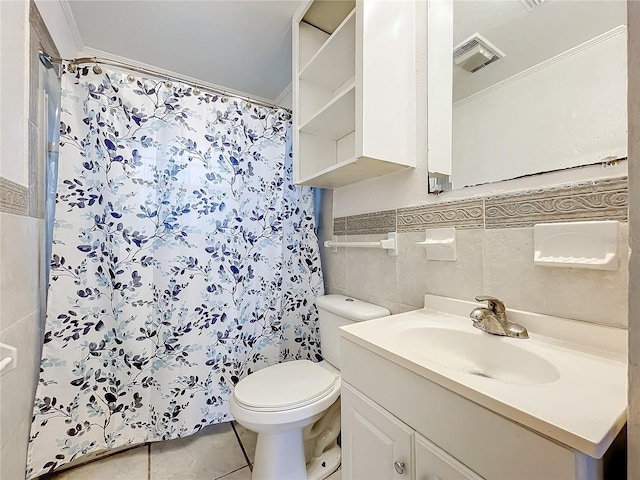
{"points": [[633, 433], [494, 249], [21, 223]]}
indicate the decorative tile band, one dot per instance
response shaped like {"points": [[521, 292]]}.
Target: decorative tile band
{"points": [[14, 198], [372, 223], [599, 200], [340, 226], [605, 199], [460, 214]]}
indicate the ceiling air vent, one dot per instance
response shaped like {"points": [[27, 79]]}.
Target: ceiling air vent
{"points": [[531, 4], [476, 52]]}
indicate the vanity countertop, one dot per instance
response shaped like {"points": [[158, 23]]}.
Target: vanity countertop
{"points": [[582, 403]]}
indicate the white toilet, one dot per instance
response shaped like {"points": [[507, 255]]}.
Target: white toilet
{"points": [[279, 401]]}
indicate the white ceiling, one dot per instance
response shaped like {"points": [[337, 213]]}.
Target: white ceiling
{"points": [[243, 45]]}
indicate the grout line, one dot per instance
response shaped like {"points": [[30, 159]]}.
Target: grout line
{"points": [[396, 262], [234, 471], [149, 461], [244, 452]]}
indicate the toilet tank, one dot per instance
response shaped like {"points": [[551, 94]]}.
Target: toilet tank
{"points": [[336, 311]]}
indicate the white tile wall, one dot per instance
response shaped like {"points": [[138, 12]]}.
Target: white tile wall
{"points": [[20, 248], [12, 466], [19, 260], [496, 262], [14, 96], [460, 279], [371, 272], [591, 295], [17, 386]]}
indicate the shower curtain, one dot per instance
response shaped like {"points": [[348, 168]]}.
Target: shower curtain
{"points": [[183, 259]]}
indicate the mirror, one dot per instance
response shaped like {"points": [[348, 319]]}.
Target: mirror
{"points": [[537, 86]]}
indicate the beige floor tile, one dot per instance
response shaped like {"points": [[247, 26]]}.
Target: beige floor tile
{"points": [[242, 474], [248, 439], [130, 465], [212, 453]]}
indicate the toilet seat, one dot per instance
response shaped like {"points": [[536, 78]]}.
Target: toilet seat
{"points": [[285, 386]]}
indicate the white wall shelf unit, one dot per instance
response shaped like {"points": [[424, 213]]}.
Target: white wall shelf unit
{"points": [[358, 81]]}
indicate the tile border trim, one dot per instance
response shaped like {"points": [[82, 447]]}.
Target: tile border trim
{"points": [[371, 223], [460, 214], [14, 198], [605, 199], [602, 199]]}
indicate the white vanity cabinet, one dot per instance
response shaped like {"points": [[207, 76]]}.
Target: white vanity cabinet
{"points": [[433, 463], [359, 89], [378, 446], [390, 414]]}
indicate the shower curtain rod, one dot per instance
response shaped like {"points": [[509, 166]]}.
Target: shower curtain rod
{"points": [[155, 73]]}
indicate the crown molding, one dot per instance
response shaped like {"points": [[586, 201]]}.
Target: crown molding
{"points": [[71, 22], [284, 94], [163, 72]]}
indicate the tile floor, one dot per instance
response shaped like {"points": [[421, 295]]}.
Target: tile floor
{"points": [[224, 451]]}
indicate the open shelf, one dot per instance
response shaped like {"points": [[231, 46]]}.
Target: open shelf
{"points": [[327, 15], [334, 63], [313, 100], [337, 118], [349, 171]]}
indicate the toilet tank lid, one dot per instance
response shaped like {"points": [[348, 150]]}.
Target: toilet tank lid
{"points": [[350, 308]]}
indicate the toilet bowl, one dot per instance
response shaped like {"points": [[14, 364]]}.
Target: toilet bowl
{"points": [[284, 402]]}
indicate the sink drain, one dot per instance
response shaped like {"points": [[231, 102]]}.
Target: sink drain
{"points": [[479, 373]]}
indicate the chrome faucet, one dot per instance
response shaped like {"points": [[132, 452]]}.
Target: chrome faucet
{"points": [[493, 319]]}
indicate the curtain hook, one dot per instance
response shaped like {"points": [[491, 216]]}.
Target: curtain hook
{"points": [[96, 68]]}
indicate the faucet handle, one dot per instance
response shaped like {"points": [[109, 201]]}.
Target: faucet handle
{"points": [[495, 305]]}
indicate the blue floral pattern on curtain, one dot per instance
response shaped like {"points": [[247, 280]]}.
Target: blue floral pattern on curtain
{"points": [[184, 259]]}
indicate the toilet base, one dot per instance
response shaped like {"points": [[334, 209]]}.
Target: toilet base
{"points": [[322, 451], [280, 456]]}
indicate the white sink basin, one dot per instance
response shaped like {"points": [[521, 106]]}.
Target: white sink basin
{"points": [[478, 353], [568, 381]]}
